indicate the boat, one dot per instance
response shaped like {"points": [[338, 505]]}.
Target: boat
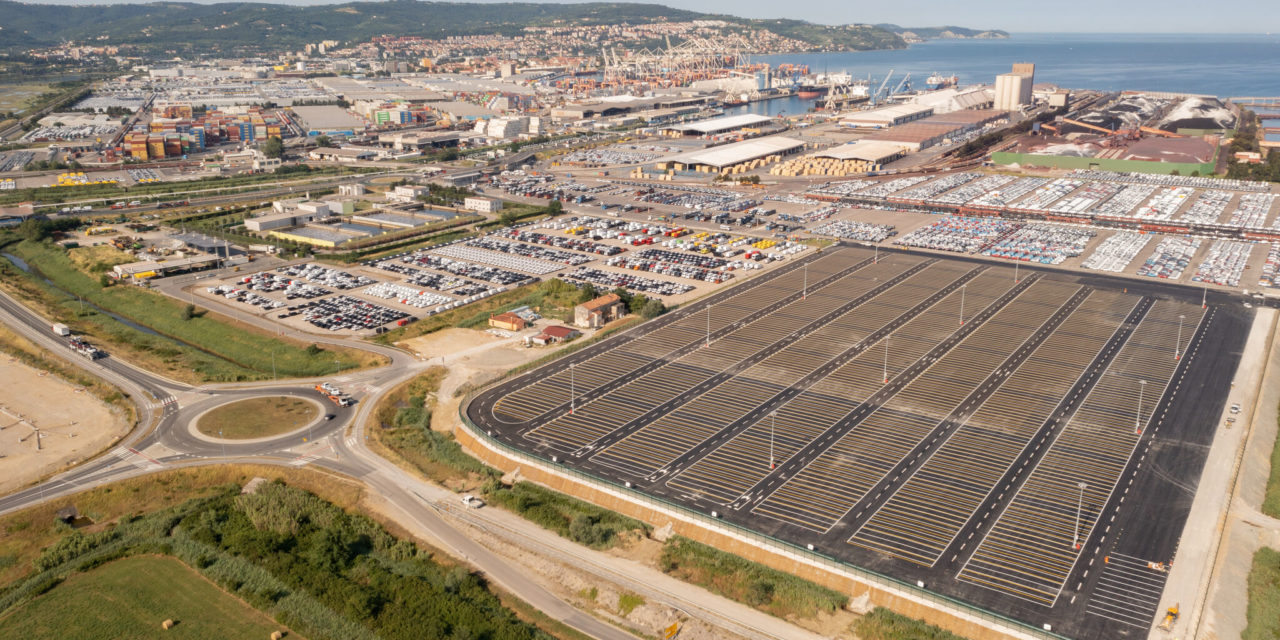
{"points": [[937, 81], [811, 91]]}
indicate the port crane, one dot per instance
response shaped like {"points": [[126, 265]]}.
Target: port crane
{"points": [[875, 97], [906, 80]]}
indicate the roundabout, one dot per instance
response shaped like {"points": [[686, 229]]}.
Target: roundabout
{"points": [[258, 418]]}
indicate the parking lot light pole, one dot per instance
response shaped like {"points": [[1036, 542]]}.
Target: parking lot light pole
{"points": [[1137, 417], [1204, 296], [571, 392], [773, 425], [1015, 272], [804, 293], [708, 326], [1079, 506], [886, 358], [962, 289], [1177, 345]]}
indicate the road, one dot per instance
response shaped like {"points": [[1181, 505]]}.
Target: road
{"points": [[164, 439]]}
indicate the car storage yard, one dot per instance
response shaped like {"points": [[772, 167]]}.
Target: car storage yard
{"points": [[934, 419]]}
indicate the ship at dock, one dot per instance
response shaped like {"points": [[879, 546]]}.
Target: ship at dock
{"points": [[939, 81]]}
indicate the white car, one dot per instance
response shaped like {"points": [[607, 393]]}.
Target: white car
{"points": [[472, 501]]}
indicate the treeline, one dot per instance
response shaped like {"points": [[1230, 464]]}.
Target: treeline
{"points": [[324, 572]]}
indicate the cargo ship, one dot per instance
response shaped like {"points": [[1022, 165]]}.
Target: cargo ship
{"points": [[811, 91], [937, 81]]}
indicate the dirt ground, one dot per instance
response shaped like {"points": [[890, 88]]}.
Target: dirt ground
{"points": [[74, 424]]}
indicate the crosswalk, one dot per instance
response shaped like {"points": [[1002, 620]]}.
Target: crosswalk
{"points": [[161, 403], [302, 461], [136, 459]]}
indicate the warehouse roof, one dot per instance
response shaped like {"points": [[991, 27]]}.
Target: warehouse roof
{"points": [[887, 115], [915, 132], [869, 150], [328, 117], [725, 123], [738, 152]]}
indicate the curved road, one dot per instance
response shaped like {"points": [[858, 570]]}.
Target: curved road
{"points": [[162, 440]]}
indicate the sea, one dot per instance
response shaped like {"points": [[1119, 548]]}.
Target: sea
{"points": [[1224, 65]]}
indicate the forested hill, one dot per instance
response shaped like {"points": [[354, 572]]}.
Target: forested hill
{"points": [[241, 27]]}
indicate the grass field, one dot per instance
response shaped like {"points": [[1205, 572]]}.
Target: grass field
{"points": [[130, 598], [23, 534], [257, 418], [16, 97], [214, 349], [555, 299], [1264, 596]]}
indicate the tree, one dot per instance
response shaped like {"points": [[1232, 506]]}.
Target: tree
{"points": [[653, 309], [508, 218], [638, 303], [324, 141], [588, 293], [555, 208], [189, 312], [273, 147]]}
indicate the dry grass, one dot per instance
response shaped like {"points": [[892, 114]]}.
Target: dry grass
{"points": [[257, 417], [95, 260]]}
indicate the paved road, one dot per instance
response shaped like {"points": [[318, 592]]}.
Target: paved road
{"points": [[164, 440]]}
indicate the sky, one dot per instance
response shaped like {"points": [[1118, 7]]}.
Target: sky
{"points": [[1087, 16]]}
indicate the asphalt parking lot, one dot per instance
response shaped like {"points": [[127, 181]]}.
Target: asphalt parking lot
{"points": [[947, 420]]}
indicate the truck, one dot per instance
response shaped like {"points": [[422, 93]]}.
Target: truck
{"points": [[61, 330], [341, 401]]}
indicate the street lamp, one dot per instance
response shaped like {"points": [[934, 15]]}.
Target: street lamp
{"points": [[571, 392], [1204, 296], [773, 424], [1015, 272], [1079, 506], [708, 326], [1137, 417], [962, 290], [804, 293], [886, 358], [1177, 345]]}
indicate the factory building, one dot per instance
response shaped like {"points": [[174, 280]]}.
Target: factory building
{"points": [[419, 140], [1013, 90], [483, 205]]}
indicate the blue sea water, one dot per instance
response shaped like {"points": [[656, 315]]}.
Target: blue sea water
{"points": [[1224, 65]]}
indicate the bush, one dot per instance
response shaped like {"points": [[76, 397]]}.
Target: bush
{"points": [[770, 590], [883, 624], [571, 518]]}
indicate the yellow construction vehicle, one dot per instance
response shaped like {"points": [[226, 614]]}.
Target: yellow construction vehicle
{"points": [[1170, 617]]}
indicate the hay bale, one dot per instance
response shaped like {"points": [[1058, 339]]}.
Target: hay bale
{"points": [[277, 635], [167, 624]]}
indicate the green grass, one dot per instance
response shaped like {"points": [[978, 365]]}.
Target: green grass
{"points": [[244, 353], [1271, 501], [883, 624], [1264, 596], [751, 583], [627, 602], [571, 518], [130, 598], [257, 418]]}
